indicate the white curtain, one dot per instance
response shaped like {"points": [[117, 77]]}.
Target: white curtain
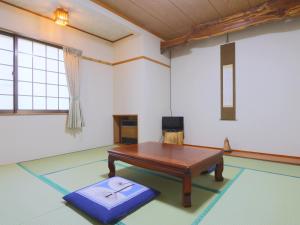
{"points": [[75, 118]]}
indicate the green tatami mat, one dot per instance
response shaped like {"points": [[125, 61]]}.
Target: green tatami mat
{"points": [[166, 208], [264, 193], [258, 198], [272, 167], [204, 181], [97, 171], [62, 216], [60, 162], [24, 197], [76, 178]]}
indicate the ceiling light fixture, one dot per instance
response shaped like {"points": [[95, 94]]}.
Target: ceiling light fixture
{"points": [[61, 17]]}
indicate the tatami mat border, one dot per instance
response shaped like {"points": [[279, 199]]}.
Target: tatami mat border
{"points": [[141, 170], [73, 167], [52, 184], [47, 181], [199, 218], [262, 171], [216, 199]]}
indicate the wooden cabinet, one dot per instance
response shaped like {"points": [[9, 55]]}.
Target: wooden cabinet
{"points": [[125, 129]]}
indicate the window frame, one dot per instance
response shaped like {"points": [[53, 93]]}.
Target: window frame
{"points": [[16, 110]]}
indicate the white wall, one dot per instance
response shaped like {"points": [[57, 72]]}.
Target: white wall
{"points": [[142, 87], [30, 137], [267, 90], [156, 92]]}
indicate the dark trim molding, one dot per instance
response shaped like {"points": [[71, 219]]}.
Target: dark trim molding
{"points": [[139, 58], [294, 160]]}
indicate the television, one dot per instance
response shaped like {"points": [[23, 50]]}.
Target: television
{"points": [[172, 123]]}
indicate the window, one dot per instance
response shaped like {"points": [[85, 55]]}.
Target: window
{"points": [[32, 76], [6, 73]]}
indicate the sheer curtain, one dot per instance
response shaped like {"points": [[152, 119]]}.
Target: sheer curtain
{"points": [[71, 57]]}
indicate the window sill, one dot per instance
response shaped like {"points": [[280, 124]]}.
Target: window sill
{"points": [[32, 113]]}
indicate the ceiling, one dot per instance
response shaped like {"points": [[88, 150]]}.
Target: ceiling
{"points": [[84, 14], [169, 19]]}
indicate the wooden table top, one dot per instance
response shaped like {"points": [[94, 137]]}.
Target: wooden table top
{"points": [[175, 155]]}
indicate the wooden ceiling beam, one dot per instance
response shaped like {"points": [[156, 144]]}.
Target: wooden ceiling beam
{"points": [[272, 10]]}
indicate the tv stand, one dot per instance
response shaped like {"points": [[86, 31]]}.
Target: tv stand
{"points": [[173, 137]]}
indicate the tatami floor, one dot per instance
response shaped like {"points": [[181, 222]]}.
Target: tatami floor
{"points": [[253, 193]]}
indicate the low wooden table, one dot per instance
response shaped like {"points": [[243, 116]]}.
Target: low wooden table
{"points": [[177, 160]]}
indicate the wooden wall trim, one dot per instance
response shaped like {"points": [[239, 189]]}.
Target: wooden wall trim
{"points": [[139, 58], [70, 26], [125, 61], [294, 160], [96, 60], [157, 62], [122, 38]]}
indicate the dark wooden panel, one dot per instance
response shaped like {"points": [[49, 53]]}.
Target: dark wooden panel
{"points": [[227, 58]]}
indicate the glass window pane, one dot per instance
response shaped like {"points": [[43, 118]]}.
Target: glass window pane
{"points": [[39, 63], [24, 74], [39, 76], [61, 55], [39, 49], [24, 60], [52, 78], [52, 103], [6, 87], [63, 91], [63, 79], [52, 90], [6, 57], [52, 52], [24, 88], [39, 103], [6, 72], [24, 46], [62, 67], [63, 103], [39, 89], [6, 42], [25, 102], [52, 65], [6, 102]]}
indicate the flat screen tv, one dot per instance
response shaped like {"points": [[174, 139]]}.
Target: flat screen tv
{"points": [[172, 123]]}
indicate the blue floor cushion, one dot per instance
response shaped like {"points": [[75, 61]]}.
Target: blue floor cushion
{"points": [[112, 199]]}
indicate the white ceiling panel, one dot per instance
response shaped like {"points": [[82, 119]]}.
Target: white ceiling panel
{"points": [[83, 14]]}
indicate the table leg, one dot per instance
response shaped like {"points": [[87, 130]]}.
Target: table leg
{"points": [[219, 171], [111, 166], [186, 190]]}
